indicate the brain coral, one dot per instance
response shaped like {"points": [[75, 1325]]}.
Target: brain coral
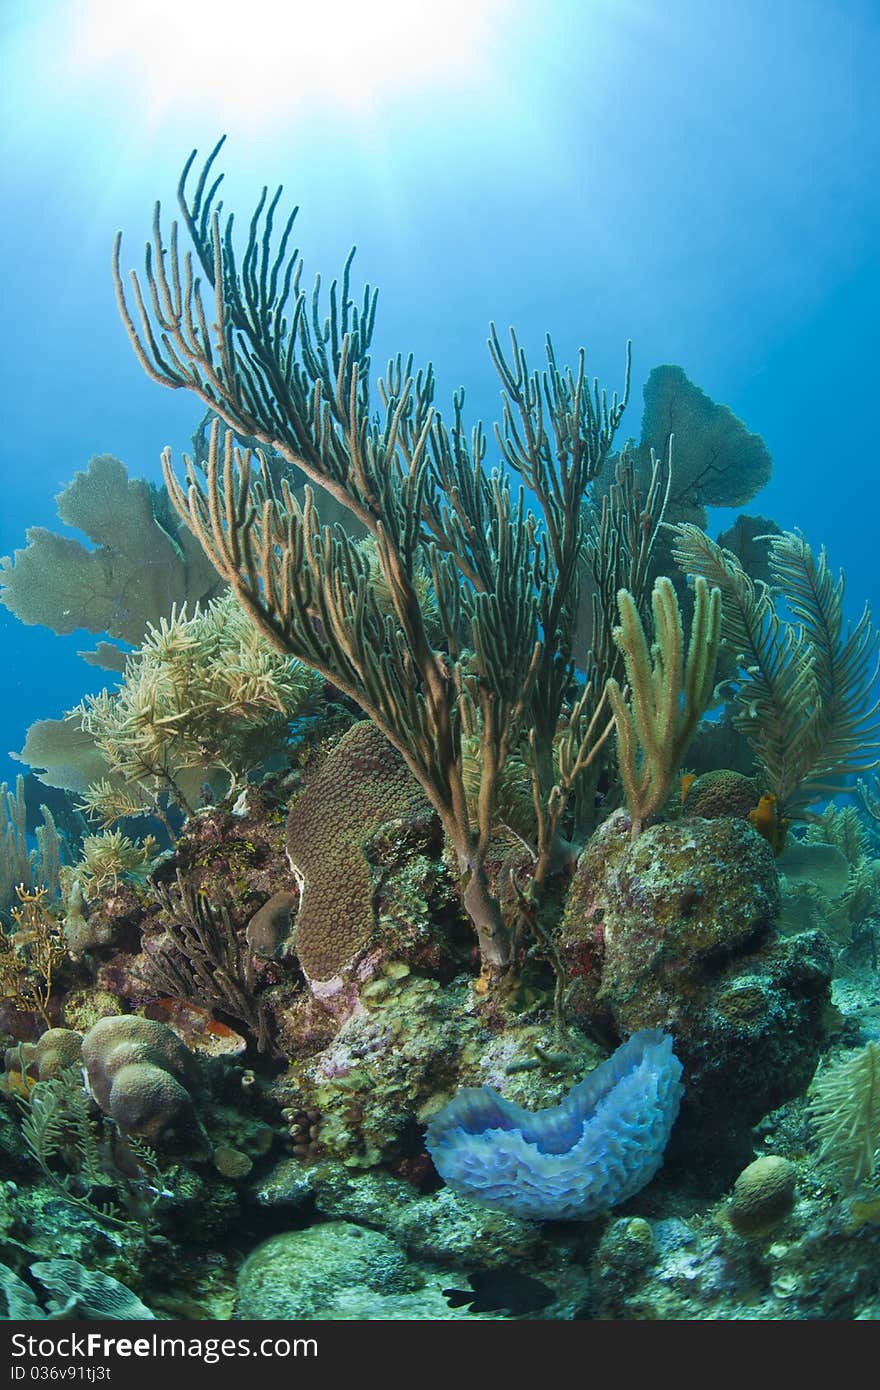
{"points": [[763, 1194], [720, 793], [54, 1052], [362, 784], [138, 1072]]}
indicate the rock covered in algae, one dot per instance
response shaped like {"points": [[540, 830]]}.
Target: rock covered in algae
{"points": [[319, 1271], [648, 921], [401, 1056], [674, 930], [442, 1226]]}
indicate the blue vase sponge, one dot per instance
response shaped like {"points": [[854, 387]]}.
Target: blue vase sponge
{"points": [[603, 1143]]}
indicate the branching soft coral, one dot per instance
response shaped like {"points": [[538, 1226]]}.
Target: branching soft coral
{"points": [[504, 580], [30, 956], [668, 689], [205, 691], [19, 864], [106, 858]]}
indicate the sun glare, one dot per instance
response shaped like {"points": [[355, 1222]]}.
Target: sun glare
{"points": [[255, 61]]}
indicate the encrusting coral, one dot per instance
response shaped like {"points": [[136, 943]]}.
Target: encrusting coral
{"points": [[361, 785]]}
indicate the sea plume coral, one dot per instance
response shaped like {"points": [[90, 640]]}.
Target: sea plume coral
{"points": [[206, 693], [804, 693], [845, 1110]]}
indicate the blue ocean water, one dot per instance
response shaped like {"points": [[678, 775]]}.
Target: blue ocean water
{"points": [[699, 176]]}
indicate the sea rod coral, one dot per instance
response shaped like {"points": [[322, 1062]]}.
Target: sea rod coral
{"points": [[505, 580]]}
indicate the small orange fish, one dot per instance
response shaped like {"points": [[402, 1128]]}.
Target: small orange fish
{"points": [[687, 781], [767, 821]]}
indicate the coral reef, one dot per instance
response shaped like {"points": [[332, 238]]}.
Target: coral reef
{"points": [[418, 951], [505, 585]]}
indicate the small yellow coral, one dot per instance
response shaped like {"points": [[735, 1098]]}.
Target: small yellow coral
{"points": [[30, 956]]}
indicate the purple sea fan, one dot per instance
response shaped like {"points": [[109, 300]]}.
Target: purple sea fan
{"points": [[603, 1143]]}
